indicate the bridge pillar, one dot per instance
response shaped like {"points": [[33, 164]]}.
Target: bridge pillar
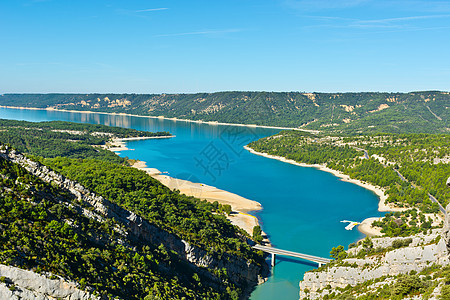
{"points": [[320, 264], [273, 259]]}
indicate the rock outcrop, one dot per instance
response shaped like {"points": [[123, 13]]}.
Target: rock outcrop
{"points": [[422, 252], [17, 284], [446, 229], [240, 271]]}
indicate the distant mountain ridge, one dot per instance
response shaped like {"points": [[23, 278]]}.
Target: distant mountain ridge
{"points": [[348, 113]]}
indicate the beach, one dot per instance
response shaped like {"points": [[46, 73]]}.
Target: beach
{"points": [[117, 144], [365, 226], [239, 205]]}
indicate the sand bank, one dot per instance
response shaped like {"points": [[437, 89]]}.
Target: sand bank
{"points": [[239, 205], [117, 145], [164, 118], [365, 226]]}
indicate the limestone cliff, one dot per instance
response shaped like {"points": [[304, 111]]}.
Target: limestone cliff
{"points": [[423, 251], [22, 284]]}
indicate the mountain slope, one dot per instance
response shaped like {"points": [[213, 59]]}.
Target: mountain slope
{"points": [[129, 237], [329, 112]]}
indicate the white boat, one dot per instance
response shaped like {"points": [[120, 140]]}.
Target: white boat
{"points": [[350, 225]]}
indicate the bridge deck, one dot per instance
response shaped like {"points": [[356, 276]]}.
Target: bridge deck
{"points": [[317, 259]]}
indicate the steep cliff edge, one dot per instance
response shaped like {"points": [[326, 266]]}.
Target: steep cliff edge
{"points": [[241, 272], [18, 284], [380, 273]]}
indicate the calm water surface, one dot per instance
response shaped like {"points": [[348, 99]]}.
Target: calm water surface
{"points": [[303, 207]]}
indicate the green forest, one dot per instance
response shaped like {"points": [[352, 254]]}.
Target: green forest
{"points": [[44, 234], [44, 230], [336, 113], [58, 138]]}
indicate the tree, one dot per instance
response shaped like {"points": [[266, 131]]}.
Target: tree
{"points": [[227, 209], [338, 252], [257, 237]]}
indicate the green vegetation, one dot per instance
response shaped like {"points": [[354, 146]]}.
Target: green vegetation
{"points": [[404, 223], [134, 190], [57, 138], [410, 166], [257, 237], [405, 285], [338, 252], [351, 113], [422, 159], [397, 287], [44, 229]]}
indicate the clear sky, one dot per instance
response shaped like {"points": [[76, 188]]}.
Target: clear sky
{"points": [[179, 46]]}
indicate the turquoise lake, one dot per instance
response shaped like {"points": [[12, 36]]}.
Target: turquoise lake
{"points": [[302, 207]]}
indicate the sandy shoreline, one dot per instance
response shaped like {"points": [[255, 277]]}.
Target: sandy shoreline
{"points": [[117, 144], [365, 226], [164, 118], [240, 205]]}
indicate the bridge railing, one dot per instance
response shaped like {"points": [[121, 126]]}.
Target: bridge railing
{"points": [[275, 251]]}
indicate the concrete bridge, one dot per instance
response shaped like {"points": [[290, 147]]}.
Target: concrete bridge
{"points": [[274, 251]]}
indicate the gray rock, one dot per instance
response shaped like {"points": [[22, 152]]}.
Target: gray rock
{"points": [[395, 262], [29, 285]]}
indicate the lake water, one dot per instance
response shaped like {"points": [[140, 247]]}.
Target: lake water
{"points": [[302, 207]]}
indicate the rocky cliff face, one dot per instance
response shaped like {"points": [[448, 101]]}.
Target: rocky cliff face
{"points": [[240, 271], [22, 284], [446, 229], [421, 253]]}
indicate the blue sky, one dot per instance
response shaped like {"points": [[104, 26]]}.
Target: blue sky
{"points": [[176, 46]]}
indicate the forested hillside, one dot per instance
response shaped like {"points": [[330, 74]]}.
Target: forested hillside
{"points": [[411, 168], [350, 113], [46, 228], [57, 138], [43, 230]]}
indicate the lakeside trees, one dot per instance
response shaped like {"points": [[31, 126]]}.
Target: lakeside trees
{"points": [[421, 159], [57, 138]]}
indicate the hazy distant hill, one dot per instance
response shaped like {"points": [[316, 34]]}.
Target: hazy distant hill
{"points": [[329, 112]]}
